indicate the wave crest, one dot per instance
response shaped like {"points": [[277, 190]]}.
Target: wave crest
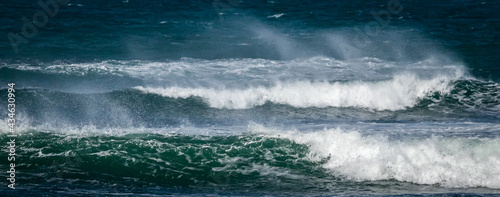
{"points": [[455, 162], [403, 91]]}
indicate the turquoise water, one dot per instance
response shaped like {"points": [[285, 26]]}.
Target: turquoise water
{"points": [[252, 98]]}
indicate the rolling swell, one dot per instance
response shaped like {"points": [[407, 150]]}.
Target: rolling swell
{"points": [[396, 94], [264, 98], [174, 161], [262, 159], [206, 125], [373, 101], [76, 81]]}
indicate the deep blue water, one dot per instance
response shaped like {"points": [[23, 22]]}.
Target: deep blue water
{"points": [[252, 98]]}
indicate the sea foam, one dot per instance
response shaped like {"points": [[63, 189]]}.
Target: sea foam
{"points": [[455, 162], [400, 92]]}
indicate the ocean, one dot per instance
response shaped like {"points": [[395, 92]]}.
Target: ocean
{"points": [[250, 98]]}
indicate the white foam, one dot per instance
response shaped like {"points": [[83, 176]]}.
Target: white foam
{"points": [[277, 15], [24, 125], [248, 72], [402, 91], [447, 161]]}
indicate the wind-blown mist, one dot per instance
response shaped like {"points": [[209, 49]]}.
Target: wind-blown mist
{"points": [[254, 98]]}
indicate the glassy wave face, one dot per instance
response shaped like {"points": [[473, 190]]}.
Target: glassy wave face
{"points": [[259, 98]]}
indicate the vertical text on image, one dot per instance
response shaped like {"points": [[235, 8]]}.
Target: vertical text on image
{"points": [[11, 122]]}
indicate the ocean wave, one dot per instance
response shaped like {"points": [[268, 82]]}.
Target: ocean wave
{"points": [[446, 161], [404, 90], [405, 98], [218, 73], [266, 156]]}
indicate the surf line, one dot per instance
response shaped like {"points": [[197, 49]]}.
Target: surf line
{"points": [[11, 122]]}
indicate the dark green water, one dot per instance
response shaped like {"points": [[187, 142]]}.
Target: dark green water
{"points": [[252, 98]]}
